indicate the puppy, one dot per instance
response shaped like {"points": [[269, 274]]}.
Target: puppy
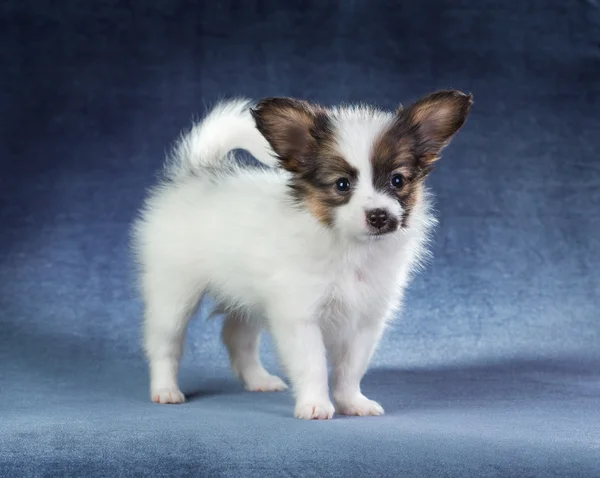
{"points": [[317, 247]]}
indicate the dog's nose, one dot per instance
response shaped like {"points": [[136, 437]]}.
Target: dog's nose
{"points": [[377, 218]]}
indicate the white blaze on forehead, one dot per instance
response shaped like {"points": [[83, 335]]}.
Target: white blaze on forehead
{"points": [[356, 130]]}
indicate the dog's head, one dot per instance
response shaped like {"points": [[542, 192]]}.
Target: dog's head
{"points": [[357, 169]]}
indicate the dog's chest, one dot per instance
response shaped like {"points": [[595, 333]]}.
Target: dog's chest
{"points": [[358, 291]]}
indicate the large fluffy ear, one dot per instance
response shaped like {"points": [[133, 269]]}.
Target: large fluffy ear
{"points": [[293, 128], [435, 119]]}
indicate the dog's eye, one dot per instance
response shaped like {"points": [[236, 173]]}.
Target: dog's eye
{"points": [[342, 185], [397, 181]]}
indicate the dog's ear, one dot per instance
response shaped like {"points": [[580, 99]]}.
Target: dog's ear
{"points": [[434, 120], [293, 128]]}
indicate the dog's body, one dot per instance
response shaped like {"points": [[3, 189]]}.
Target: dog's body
{"points": [[318, 251]]}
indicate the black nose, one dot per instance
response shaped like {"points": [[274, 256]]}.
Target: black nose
{"points": [[377, 218]]}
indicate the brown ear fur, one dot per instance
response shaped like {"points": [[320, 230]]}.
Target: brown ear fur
{"points": [[293, 128], [435, 119]]}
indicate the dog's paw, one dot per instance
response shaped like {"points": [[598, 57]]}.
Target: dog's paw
{"points": [[314, 410], [358, 405], [265, 383], [167, 395]]}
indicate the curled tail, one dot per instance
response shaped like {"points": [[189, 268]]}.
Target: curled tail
{"points": [[228, 126]]}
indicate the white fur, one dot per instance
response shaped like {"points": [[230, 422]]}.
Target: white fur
{"points": [[213, 227]]}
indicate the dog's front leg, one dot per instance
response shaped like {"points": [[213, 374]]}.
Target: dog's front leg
{"points": [[351, 353], [300, 345]]}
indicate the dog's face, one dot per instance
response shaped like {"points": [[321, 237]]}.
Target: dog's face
{"points": [[360, 170]]}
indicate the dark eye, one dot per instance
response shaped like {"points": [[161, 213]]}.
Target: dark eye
{"points": [[397, 181], [342, 185]]}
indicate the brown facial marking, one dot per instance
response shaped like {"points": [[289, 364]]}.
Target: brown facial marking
{"points": [[393, 154], [414, 142], [315, 185], [409, 197], [302, 137]]}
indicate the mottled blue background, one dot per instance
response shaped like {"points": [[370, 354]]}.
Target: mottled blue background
{"points": [[494, 369]]}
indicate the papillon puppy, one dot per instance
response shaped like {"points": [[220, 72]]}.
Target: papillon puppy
{"points": [[316, 247]]}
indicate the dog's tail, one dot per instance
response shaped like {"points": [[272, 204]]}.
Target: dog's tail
{"points": [[228, 126]]}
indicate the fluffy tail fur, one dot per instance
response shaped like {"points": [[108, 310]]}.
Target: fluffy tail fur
{"points": [[228, 126]]}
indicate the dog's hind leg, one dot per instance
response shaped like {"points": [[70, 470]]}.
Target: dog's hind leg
{"points": [[241, 336], [169, 304]]}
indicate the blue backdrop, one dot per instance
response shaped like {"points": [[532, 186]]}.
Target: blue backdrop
{"points": [[494, 368]]}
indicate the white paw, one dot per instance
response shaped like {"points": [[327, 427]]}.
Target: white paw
{"points": [[265, 383], [167, 395], [358, 405], [314, 410]]}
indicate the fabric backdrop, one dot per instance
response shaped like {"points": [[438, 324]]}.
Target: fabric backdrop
{"points": [[493, 368]]}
